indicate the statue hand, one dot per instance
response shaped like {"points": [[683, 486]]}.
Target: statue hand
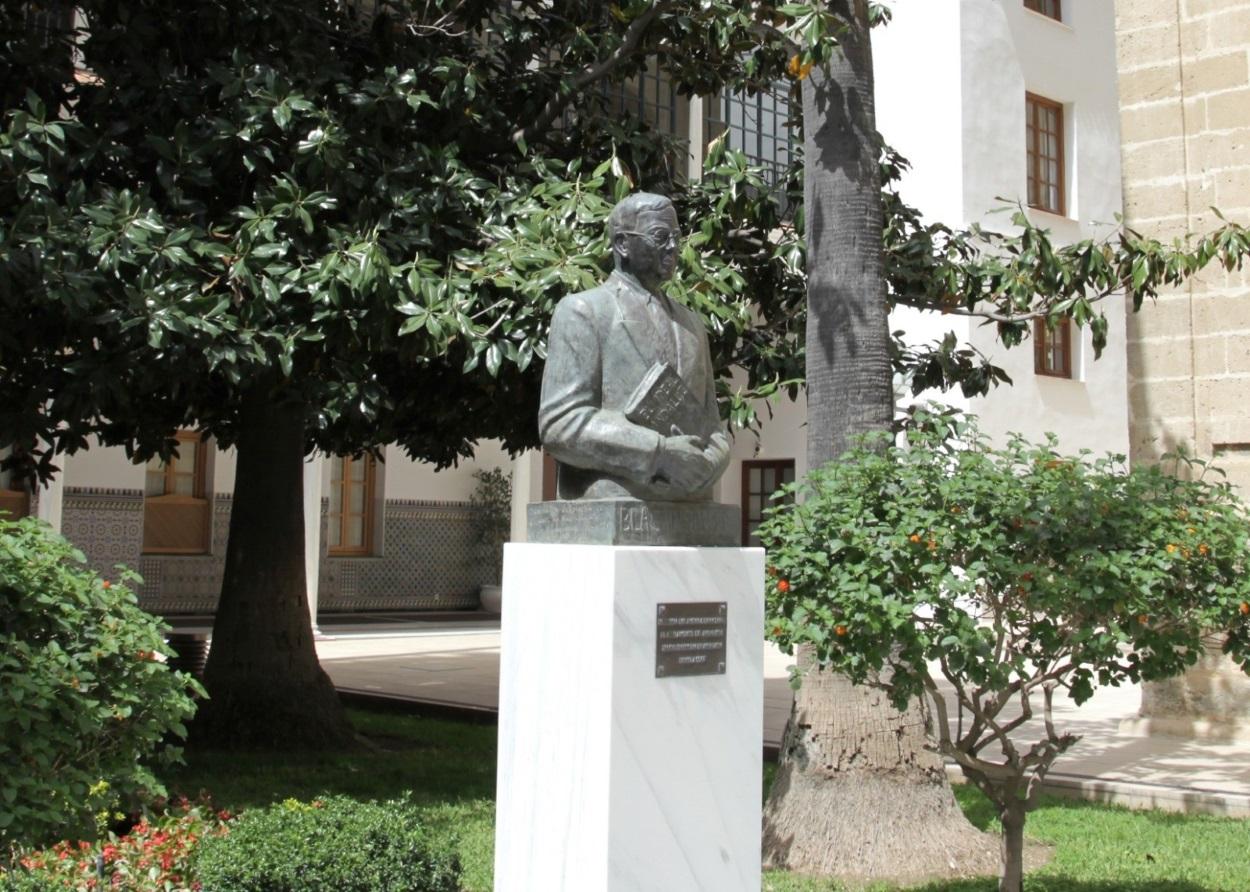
{"points": [[717, 454], [684, 463]]}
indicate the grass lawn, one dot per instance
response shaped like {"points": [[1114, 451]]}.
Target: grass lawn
{"points": [[449, 768]]}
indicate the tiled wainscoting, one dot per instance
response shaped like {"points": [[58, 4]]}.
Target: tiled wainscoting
{"points": [[428, 562], [105, 524], [428, 558]]}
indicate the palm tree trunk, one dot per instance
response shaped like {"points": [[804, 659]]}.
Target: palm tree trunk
{"points": [[265, 685], [856, 795]]}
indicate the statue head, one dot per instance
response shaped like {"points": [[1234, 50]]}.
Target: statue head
{"points": [[644, 235]]}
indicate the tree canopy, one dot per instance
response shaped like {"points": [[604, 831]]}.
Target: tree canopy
{"points": [[372, 214], [373, 208]]}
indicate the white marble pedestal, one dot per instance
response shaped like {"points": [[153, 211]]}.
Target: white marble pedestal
{"points": [[612, 779]]}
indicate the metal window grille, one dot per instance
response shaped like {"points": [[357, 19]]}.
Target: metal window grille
{"points": [[648, 95], [50, 20], [758, 126]]}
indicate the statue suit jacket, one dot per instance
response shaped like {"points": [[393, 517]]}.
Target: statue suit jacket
{"points": [[602, 343]]}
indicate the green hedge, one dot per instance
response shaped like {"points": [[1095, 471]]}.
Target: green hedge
{"points": [[335, 844], [86, 704]]}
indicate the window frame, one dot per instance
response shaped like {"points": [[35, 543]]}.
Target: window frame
{"points": [[1043, 351], [1034, 159], [739, 119], [779, 465], [346, 484], [1041, 8], [198, 502], [14, 502]]}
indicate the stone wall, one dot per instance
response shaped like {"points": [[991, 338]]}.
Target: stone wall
{"points": [[1184, 73]]}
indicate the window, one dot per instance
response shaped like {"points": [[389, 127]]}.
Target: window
{"points": [[14, 498], [1044, 140], [1048, 8], [650, 96], [176, 507], [760, 482], [758, 126], [53, 21], [1052, 351], [351, 505]]}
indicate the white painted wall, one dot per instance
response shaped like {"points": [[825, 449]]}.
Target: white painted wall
{"points": [[951, 77], [223, 470], [781, 435], [916, 66], [1012, 50], [406, 479], [102, 467]]}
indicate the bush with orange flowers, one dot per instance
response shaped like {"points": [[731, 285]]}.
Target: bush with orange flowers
{"points": [[1015, 574]]}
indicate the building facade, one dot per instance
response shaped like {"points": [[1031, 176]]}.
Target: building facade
{"points": [[993, 101], [1185, 106], [1185, 111], [1006, 103]]}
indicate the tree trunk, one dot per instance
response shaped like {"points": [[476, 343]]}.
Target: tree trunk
{"points": [[857, 796], [266, 688], [1012, 816], [849, 378]]}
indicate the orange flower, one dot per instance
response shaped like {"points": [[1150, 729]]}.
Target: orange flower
{"points": [[913, 538], [1144, 618], [106, 584], [797, 68], [839, 630], [1244, 608], [783, 586], [1171, 548], [1203, 549]]}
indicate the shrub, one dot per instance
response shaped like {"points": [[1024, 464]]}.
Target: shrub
{"points": [[332, 845], [1013, 574], [86, 702]]}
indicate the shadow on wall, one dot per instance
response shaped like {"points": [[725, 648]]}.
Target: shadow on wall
{"points": [[1161, 410]]}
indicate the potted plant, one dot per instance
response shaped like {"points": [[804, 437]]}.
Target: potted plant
{"points": [[492, 526]]}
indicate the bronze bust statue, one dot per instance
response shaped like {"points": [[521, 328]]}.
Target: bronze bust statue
{"points": [[628, 405]]}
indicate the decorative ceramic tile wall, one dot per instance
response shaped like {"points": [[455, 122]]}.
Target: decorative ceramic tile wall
{"points": [[428, 559], [188, 583], [105, 524], [428, 562]]}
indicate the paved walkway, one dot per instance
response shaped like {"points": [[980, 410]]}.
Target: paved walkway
{"points": [[455, 664]]}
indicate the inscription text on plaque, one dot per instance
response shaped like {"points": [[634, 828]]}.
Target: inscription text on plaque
{"points": [[690, 638]]}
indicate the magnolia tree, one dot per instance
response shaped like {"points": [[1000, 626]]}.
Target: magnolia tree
{"points": [[989, 581], [293, 224]]}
